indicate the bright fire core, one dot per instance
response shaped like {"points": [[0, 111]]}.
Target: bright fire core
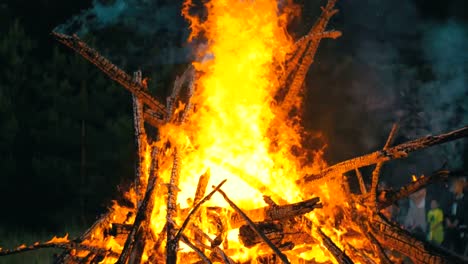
{"points": [[229, 132], [235, 130]]}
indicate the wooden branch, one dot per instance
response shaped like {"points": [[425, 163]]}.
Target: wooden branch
{"points": [[275, 213], [405, 191], [376, 171], [202, 255], [136, 254], [140, 140], [171, 246], [116, 74], [194, 210], [221, 254], [283, 258], [392, 236], [189, 105], [68, 245], [274, 232], [143, 214], [339, 255], [383, 256], [362, 185], [186, 77], [307, 56], [153, 118], [201, 186], [395, 152]]}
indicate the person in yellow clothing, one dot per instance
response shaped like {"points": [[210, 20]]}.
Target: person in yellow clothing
{"points": [[435, 218]]}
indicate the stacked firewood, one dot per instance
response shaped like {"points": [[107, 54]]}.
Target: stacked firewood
{"points": [[278, 229]]}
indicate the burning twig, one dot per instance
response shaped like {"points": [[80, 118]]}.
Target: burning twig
{"points": [[395, 152], [68, 245], [405, 191], [362, 185], [339, 255], [194, 248], [283, 258], [194, 210], [201, 187], [309, 49], [186, 77], [116, 74], [171, 245], [219, 252], [376, 172], [277, 212], [392, 236], [143, 214], [140, 139], [383, 256]]}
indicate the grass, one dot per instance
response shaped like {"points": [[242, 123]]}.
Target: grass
{"points": [[10, 239]]}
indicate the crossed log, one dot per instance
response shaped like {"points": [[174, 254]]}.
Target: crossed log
{"points": [[158, 112]]}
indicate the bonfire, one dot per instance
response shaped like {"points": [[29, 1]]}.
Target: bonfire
{"points": [[225, 178]]}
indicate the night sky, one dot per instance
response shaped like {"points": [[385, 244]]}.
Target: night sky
{"points": [[405, 62]]}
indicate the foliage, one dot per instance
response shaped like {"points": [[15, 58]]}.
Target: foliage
{"points": [[66, 139]]}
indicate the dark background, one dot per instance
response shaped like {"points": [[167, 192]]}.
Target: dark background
{"points": [[66, 138]]}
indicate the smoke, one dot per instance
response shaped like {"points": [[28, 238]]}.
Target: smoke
{"points": [[396, 62], [411, 69], [142, 16], [135, 33], [444, 98]]}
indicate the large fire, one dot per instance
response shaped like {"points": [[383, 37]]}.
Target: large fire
{"points": [[235, 130], [230, 133], [237, 126]]}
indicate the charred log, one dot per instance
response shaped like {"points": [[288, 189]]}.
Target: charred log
{"points": [[143, 214], [277, 212], [376, 171], [252, 225], [390, 197], [116, 74], [273, 231], [396, 152], [392, 236], [339, 255], [303, 56], [171, 244]]}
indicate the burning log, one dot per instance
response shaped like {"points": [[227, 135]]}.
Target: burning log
{"points": [[197, 250], [143, 214], [383, 256], [304, 54], [61, 243], [171, 244], [391, 236], [116, 74], [276, 212], [140, 139], [201, 187], [376, 171], [396, 152], [173, 99], [362, 185], [339, 255], [216, 251], [194, 211], [391, 197], [252, 225], [274, 232]]}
